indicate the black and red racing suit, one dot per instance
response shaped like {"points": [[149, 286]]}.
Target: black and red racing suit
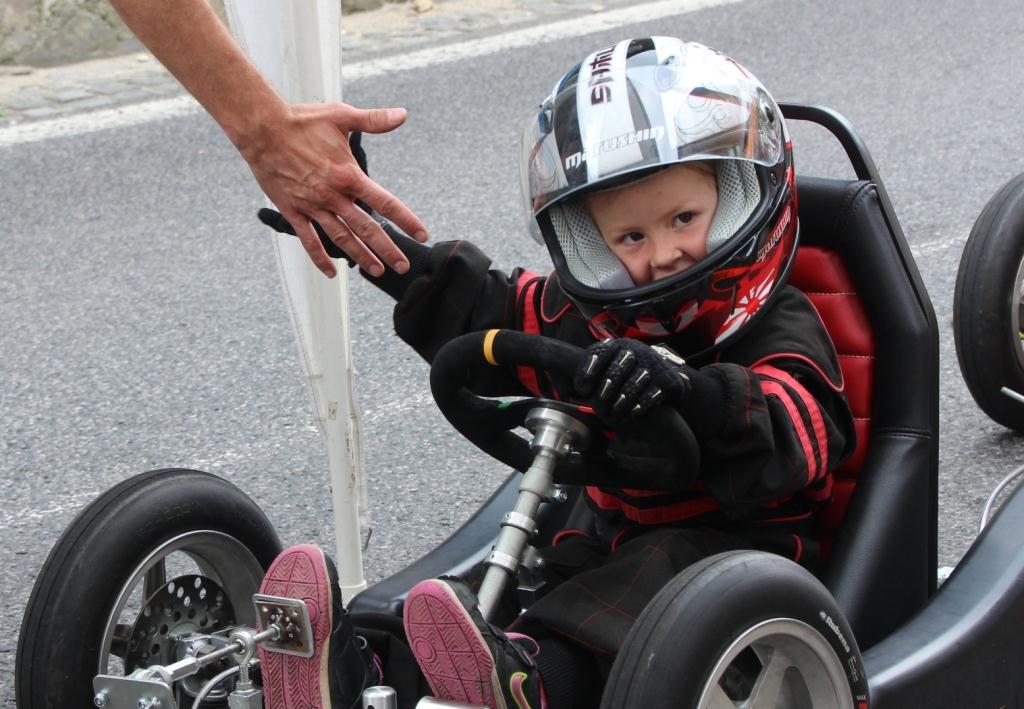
{"points": [[780, 425]]}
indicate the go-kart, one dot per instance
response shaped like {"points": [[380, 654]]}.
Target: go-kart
{"points": [[118, 619]]}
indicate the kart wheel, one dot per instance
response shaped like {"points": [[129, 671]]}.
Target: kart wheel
{"points": [[157, 556], [988, 307], [739, 629]]}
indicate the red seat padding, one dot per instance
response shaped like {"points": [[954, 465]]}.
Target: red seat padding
{"points": [[820, 274]]}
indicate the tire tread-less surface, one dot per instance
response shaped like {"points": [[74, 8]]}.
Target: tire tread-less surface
{"points": [[987, 306], [740, 629]]}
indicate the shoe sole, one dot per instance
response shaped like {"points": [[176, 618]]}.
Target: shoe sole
{"points": [[291, 682], [449, 648]]}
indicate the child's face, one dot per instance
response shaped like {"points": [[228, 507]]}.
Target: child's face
{"points": [[659, 226]]}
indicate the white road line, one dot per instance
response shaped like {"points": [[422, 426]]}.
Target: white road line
{"points": [[83, 123], [529, 36], [184, 105]]}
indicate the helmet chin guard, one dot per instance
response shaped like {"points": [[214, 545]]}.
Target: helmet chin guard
{"points": [[626, 112]]}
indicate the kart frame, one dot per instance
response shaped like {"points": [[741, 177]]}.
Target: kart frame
{"points": [[953, 646], [925, 646]]}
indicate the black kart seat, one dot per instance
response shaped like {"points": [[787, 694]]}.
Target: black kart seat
{"points": [[879, 529]]}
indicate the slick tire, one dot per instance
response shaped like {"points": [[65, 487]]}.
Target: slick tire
{"points": [[743, 628], [74, 625], [988, 306]]}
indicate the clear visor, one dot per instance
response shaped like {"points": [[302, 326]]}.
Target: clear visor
{"points": [[686, 103]]}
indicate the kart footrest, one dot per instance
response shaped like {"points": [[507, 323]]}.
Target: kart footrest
{"points": [[291, 617]]}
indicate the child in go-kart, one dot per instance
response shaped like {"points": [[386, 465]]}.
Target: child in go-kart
{"points": [[659, 175]]}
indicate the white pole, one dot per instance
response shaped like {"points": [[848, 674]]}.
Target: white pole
{"points": [[297, 46]]}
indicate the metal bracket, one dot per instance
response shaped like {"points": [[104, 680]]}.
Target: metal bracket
{"points": [[531, 577], [520, 521], [115, 692], [292, 617]]}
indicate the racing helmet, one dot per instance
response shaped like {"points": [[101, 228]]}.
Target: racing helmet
{"points": [[633, 109]]}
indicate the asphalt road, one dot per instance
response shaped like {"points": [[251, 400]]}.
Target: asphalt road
{"points": [[142, 326]]}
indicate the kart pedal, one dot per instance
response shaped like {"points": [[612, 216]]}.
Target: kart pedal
{"points": [[291, 616]]}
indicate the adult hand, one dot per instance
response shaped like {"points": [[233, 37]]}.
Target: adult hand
{"points": [[302, 160], [299, 153]]}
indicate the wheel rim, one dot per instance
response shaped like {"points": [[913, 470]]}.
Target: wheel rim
{"points": [[780, 663], [1016, 321], [219, 556]]}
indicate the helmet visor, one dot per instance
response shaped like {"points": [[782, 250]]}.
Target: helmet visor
{"points": [[640, 105]]}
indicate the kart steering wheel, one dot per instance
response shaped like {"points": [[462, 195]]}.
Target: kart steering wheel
{"points": [[488, 423]]}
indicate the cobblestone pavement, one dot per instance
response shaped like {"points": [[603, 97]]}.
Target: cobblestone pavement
{"points": [[28, 94]]}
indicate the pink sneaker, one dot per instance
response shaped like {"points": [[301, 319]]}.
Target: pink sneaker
{"points": [[465, 658], [341, 665]]}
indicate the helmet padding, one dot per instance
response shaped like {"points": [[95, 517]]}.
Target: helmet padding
{"points": [[593, 264], [738, 196]]}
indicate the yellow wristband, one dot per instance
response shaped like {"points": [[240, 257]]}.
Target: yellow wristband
{"points": [[489, 347]]}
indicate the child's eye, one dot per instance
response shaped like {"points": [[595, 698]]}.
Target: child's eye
{"points": [[632, 237], [685, 217]]}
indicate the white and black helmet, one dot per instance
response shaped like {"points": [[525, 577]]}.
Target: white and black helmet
{"points": [[634, 108]]}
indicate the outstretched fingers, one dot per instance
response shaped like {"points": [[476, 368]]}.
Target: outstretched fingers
{"points": [[389, 207], [306, 167], [375, 120], [341, 234], [368, 232], [355, 231], [311, 242]]}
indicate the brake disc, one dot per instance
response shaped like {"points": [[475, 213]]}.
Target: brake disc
{"points": [[183, 608]]}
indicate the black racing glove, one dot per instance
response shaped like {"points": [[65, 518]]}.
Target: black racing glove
{"points": [[625, 378], [649, 453], [625, 381], [392, 283], [355, 144], [276, 221]]}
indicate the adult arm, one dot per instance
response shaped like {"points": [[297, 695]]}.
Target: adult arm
{"points": [[298, 153]]}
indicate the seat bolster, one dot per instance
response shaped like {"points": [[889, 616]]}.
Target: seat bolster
{"points": [[885, 528], [881, 561], [906, 368]]}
